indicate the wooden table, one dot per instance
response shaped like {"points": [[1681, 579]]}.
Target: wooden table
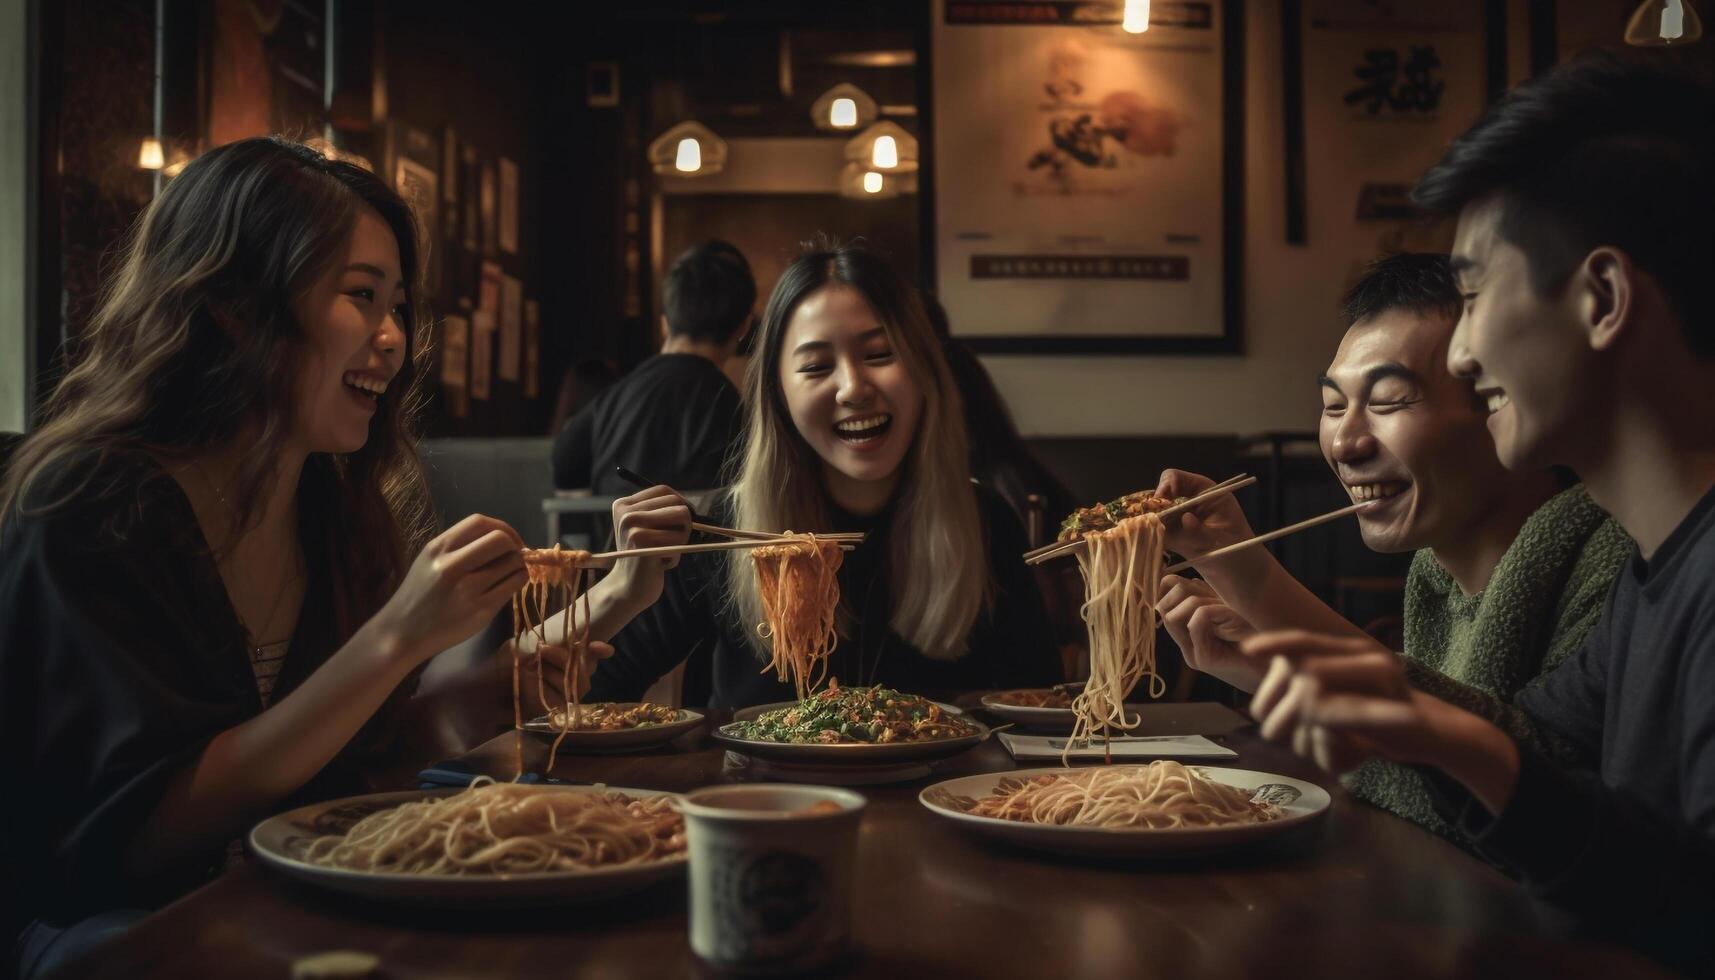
{"points": [[1358, 893]]}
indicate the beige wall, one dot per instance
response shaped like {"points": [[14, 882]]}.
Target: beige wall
{"points": [[14, 154], [1290, 294]]}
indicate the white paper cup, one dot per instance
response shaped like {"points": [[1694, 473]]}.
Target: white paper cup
{"points": [[771, 884]]}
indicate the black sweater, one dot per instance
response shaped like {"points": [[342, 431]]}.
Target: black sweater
{"points": [[674, 418], [1630, 847], [120, 658], [1009, 645]]}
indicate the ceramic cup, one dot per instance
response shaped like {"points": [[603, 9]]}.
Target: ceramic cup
{"points": [[771, 875]]}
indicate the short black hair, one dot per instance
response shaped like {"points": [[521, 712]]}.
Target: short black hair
{"points": [[1605, 150], [709, 293], [1421, 282]]}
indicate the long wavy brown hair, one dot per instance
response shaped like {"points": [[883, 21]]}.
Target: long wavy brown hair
{"points": [[194, 345], [939, 576]]}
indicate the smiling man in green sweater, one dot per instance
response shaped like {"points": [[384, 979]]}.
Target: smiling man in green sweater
{"points": [[1510, 569]]}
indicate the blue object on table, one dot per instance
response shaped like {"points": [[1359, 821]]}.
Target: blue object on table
{"points": [[452, 772]]}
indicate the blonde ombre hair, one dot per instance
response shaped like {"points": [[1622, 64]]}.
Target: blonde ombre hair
{"points": [[937, 560]]}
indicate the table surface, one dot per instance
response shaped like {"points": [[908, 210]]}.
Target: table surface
{"points": [[1356, 893]]}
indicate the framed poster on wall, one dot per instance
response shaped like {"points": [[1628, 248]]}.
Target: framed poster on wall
{"points": [[1088, 182], [1385, 89]]}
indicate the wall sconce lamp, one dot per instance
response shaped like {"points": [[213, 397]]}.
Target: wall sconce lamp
{"points": [[884, 147], [689, 149], [845, 106], [861, 182], [1658, 23], [150, 156], [1135, 20]]}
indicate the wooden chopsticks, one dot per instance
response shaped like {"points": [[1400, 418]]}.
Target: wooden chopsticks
{"points": [[1059, 548], [607, 558], [1265, 538], [739, 534], [643, 483]]}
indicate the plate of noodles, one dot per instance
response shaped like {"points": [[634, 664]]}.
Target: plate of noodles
{"points": [[1127, 811], [852, 726], [618, 726], [489, 845], [1037, 707]]}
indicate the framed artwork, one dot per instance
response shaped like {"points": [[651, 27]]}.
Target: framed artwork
{"points": [[450, 185], [1088, 182], [508, 206], [511, 327], [1385, 88], [455, 351], [416, 161], [532, 348], [490, 222], [481, 354], [469, 175]]}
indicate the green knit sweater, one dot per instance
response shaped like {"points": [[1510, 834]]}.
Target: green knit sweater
{"points": [[1478, 651]]}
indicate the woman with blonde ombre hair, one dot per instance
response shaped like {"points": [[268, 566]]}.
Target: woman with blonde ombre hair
{"points": [[853, 424]]}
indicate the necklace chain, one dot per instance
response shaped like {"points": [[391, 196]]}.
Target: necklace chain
{"points": [[251, 637]]}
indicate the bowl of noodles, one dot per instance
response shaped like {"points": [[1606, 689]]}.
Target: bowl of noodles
{"points": [[491, 845], [1160, 808], [617, 726], [1039, 708], [852, 726]]}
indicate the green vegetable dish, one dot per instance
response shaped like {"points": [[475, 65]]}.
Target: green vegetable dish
{"points": [[868, 715]]}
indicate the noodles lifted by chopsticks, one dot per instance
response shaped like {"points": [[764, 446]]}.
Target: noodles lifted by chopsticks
{"points": [[555, 578], [1159, 796], [506, 828], [798, 582], [1102, 517], [1122, 580]]}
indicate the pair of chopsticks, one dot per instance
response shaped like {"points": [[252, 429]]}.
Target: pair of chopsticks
{"points": [[697, 524], [606, 559], [1059, 548], [1265, 538]]}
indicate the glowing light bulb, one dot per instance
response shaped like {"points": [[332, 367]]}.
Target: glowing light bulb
{"points": [[1673, 21], [1136, 18], [885, 156], [843, 113], [150, 157], [1663, 22], [690, 158], [872, 183]]}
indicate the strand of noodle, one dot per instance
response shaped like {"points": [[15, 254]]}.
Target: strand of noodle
{"points": [[576, 643], [1122, 575], [517, 700], [798, 582], [532, 606]]}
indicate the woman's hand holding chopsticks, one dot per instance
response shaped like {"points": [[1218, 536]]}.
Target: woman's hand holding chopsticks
{"points": [[653, 518]]}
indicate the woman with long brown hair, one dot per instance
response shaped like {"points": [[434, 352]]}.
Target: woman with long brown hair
{"points": [[854, 424], [217, 581]]}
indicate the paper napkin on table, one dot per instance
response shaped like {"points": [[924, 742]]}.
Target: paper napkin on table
{"points": [[1034, 748]]}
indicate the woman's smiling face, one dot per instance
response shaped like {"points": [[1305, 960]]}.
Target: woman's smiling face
{"points": [[850, 394], [355, 331]]}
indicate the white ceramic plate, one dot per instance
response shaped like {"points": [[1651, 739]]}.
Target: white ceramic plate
{"points": [[849, 753], [1301, 800], [280, 842], [622, 740], [1046, 718]]}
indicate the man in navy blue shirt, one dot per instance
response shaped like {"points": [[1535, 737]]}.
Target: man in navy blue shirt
{"points": [[1586, 213]]}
